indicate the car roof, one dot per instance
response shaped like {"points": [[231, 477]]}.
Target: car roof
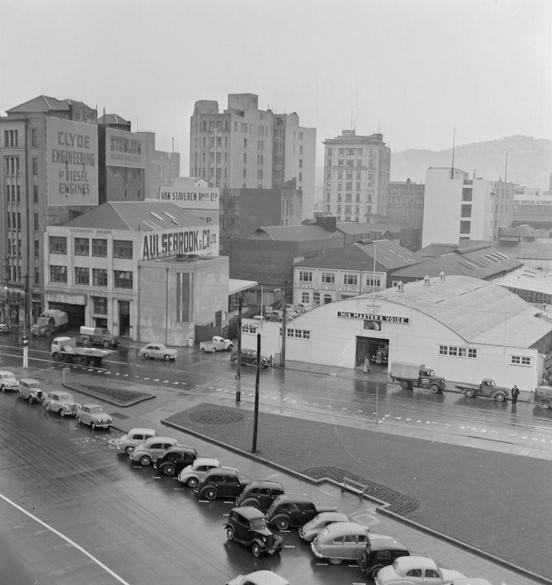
{"points": [[91, 404], [249, 512], [344, 528], [222, 471], [284, 498], [267, 483], [141, 430], [383, 542], [3, 372], [178, 448], [162, 439], [333, 516], [207, 461], [267, 578], [29, 380], [415, 562]]}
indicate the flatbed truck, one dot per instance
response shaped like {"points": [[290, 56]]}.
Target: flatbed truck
{"points": [[65, 349]]}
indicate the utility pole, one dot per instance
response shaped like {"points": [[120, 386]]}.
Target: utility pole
{"points": [[283, 350], [238, 370], [256, 411]]}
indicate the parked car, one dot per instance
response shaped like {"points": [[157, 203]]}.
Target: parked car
{"points": [[94, 416], [289, 511], [134, 437], [151, 450], [259, 578], [247, 525], [157, 351], [196, 472], [8, 381], [342, 541], [379, 552], [260, 494], [249, 358], [4, 328], [221, 483], [29, 389], [175, 459], [312, 528], [217, 343], [61, 402], [415, 570]]}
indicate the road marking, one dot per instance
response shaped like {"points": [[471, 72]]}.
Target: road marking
{"points": [[67, 540]]}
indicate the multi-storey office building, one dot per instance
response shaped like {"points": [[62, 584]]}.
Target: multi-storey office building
{"points": [[245, 147], [356, 176], [458, 208]]}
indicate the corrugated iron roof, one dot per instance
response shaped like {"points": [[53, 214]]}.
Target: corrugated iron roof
{"points": [[294, 233]]}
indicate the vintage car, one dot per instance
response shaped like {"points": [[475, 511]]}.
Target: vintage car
{"points": [[157, 351], [94, 416], [175, 459], [380, 551], [61, 402], [247, 525], [197, 471], [220, 483], [134, 437], [249, 358], [260, 494], [262, 577], [291, 511], [8, 381], [29, 389], [341, 541], [4, 328], [217, 343], [415, 570], [151, 450], [312, 528]]}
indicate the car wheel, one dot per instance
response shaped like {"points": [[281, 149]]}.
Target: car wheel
{"points": [[166, 357], [469, 393], [3, 388], [145, 460], [230, 347], [374, 571], [129, 449], [192, 482], [282, 524], [145, 356], [435, 389], [61, 412], [256, 550], [106, 344], [30, 399], [92, 425], [57, 357], [79, 420], [169, 469], [404, 385], [210, 493], [213, 350], [335, 561], [500, 397], [229, 534]]}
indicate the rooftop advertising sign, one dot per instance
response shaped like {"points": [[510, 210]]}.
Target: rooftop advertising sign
{"points": [[72, 162], [124, 149]]}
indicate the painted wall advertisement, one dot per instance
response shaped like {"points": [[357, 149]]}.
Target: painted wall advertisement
{"points": [[72, 162], [124, 149], [190, 196], [200, 241]]}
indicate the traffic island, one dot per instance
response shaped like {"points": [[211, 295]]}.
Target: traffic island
{"points": [[111, 392]]}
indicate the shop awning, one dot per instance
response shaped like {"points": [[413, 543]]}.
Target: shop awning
{"points": [[235, 285]]}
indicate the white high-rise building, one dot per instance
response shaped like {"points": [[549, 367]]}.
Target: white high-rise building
{"points": [[459, 208]]}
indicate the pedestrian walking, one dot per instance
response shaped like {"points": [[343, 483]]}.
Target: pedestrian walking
{"points": [[366, 368], [515, 394]]}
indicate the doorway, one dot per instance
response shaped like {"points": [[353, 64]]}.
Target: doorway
{"points": [[373, 348], [124, 318]]}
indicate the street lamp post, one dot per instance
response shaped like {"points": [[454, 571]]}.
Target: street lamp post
{"points": [[256, 411], [238, 364]]}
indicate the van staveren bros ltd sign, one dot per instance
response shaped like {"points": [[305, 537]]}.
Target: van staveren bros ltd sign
{"points": [[374, 317]]}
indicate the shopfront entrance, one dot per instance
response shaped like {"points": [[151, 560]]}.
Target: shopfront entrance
{"points": [[373, 348], [124, 318]]}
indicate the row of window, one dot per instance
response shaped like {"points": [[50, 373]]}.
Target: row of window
{"points": [[329, 278], [11, 165], [249, 328], [121, 278], [520, 360], [454, 351], [306, 298], [121, 248], [298, 333], [11, 138]]}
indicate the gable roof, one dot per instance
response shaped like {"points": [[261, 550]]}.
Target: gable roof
{"points": [[141, 216], [43, 103], [108, 119], [360, 256], [294, 233]]}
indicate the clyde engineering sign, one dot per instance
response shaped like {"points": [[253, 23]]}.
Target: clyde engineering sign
{"points": [[200, 241]]}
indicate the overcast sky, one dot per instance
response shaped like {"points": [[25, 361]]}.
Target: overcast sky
{"points": [[414, 68]]}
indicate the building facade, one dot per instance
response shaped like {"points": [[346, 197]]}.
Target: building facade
{"points": [[244, 147], [356, 176], [405, 204], [457, 208], [92, 264]]}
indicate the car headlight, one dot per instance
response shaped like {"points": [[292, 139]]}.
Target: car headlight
{"points": [[263, 538]]}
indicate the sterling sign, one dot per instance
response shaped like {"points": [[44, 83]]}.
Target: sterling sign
{"points": [[374, 317], [202, 242]]}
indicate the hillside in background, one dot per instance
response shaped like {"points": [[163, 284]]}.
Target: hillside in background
{"points": [[529, 161]]}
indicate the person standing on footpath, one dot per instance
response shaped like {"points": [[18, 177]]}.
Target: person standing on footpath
{"points": [[515, 394], [366, 368]]}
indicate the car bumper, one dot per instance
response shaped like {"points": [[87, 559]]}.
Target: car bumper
{"points": [[315, 552], [102, 425], [11, 388]]}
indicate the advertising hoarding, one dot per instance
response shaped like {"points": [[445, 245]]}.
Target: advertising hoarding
{"points": [[200, 241], [124, 149], [72, 162]]}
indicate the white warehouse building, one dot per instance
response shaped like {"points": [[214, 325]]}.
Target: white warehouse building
{"points": [[465, 328]]}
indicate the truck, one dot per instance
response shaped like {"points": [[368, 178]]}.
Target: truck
{"points": [[414, 375], [50, 322], [487, 388], [97, 336], [216, 344], [65, 349]]}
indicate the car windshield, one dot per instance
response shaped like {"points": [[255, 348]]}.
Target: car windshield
{"points": [[258, 523], [95, 409], [33, 384]]}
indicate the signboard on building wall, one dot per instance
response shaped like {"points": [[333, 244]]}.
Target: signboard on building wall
{"points": [[72, 162], [201, 241], [374, 318], [191, 198], [124, 149]]}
